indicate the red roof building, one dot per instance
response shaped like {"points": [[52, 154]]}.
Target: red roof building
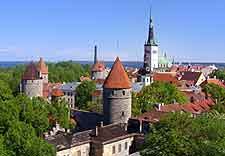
{"points": [[117, 77], [42, 67]]}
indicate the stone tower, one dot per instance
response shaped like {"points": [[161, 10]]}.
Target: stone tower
{"points": [[42, 70], [117, 95], [32, 84], [151, 54]]}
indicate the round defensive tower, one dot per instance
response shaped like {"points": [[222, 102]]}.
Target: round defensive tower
{"points": [[117, 95], [32, 84]]}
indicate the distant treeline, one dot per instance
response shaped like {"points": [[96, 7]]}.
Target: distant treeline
{"points": [[66, 71]]}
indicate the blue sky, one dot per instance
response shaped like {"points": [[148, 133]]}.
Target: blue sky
{"points": [[189, 30]]}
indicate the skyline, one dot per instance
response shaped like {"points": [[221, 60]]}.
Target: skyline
{"points": [[69, 30]]}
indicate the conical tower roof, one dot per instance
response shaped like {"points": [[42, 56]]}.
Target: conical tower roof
{"points": [[42, 67], [117, 78], [31, 72]]}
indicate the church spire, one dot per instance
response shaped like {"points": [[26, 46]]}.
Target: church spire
{"points": [[151, 39]]}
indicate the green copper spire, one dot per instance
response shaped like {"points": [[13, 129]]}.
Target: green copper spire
{"points": [[151, 39]]}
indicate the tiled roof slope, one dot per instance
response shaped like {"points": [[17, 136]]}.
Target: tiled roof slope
{"points": [[41, 66], [190, 76], [117, 77], [57, 92], [169, 77], [31, 72], [98, 67]]}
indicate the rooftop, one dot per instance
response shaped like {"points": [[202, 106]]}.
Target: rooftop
{"points": [[42, 67], [31, 72], [117, 77]]}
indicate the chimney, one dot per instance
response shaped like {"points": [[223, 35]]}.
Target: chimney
{"points": [[95, 54], [96, 131]]}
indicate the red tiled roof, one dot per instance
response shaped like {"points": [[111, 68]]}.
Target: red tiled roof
{"points": [[31, 72], [201, 106], [117, 77], [57, 92], [190, 76], [41, 66], [152, 116], [194, 96], [216, 81], [98, 67], [165, 77]]}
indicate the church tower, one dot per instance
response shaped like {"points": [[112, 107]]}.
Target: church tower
{"points": [[151, 54], [117, 95]]}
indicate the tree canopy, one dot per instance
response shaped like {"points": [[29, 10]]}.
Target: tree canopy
{"points": [[84, 93], [220, 74], [23, 121], [157, 92], [180, 134], [218, 94]]}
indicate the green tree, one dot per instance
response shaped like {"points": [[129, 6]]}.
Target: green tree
{"points": [[180, 134], [220, 74], [5, 91], [61, 113], [3, 151], [157, 92], [218, 94], [83, 93]]}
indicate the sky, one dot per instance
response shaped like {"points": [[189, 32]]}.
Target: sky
{"points": [[188, 30]]}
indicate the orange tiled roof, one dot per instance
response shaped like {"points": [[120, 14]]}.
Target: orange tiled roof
{"points": [[117, 77], [98, 67], [165, 77], [201, 106], [42, 67], [31, 72], [57, 92], [216, 81]]}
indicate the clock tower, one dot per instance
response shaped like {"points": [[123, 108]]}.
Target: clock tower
{"points": [[151, 54]]}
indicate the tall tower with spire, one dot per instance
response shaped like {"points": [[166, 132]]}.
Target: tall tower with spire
{"points": [[151, 54]]}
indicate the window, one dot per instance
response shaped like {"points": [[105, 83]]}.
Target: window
{"points": [[126, 145], [113, 150], [119, 148], [79, 153], [112, 92], [124, 92]]}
